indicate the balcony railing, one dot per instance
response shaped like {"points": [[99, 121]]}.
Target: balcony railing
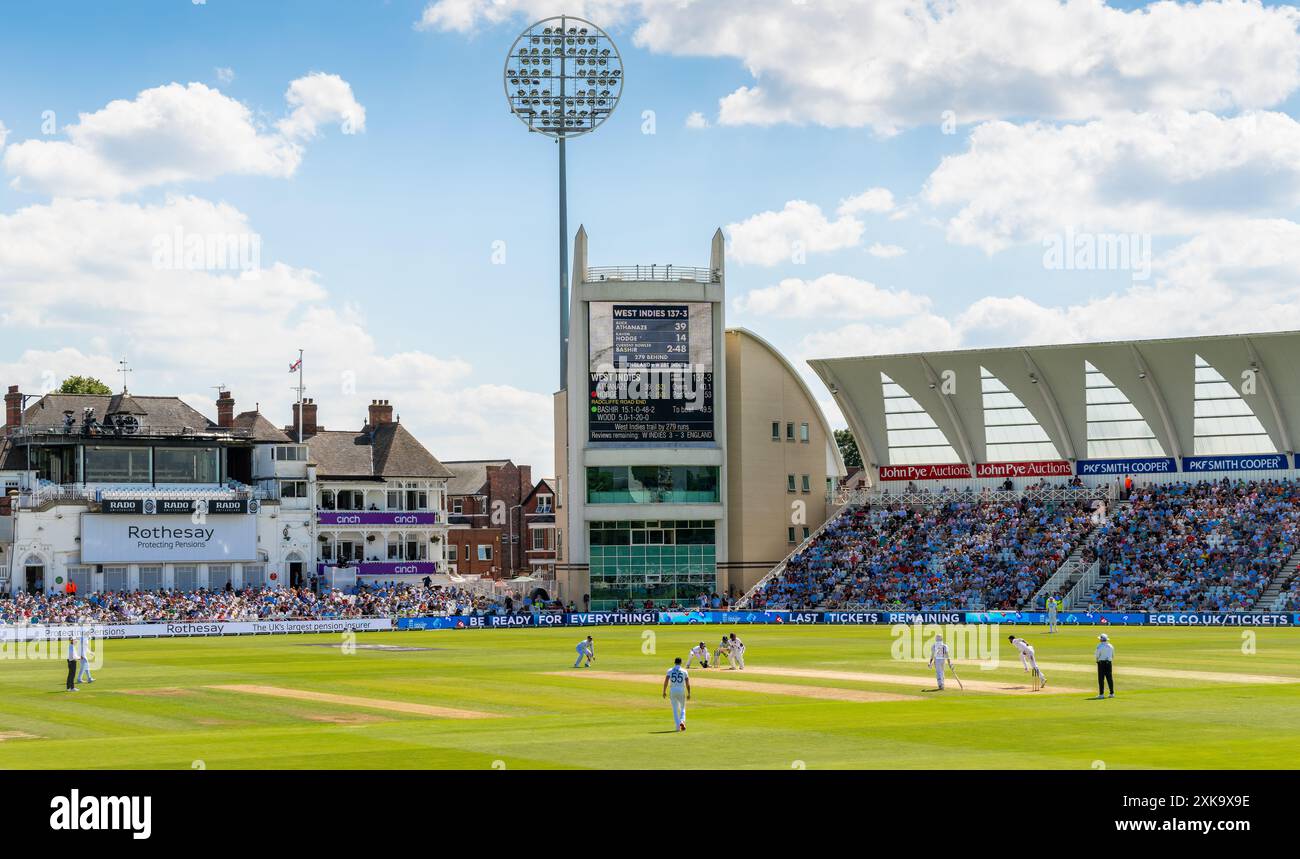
{"points": [[664, 273], [52, 432]]}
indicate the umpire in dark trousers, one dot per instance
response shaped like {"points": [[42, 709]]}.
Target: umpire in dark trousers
{"points": [[74, 657], [1105, 664]]}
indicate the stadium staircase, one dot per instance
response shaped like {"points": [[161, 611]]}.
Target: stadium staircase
{"points": [[1063, 580], [1272, 596], [776, 571]]}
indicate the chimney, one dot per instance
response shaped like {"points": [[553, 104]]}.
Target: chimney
{"points": [[13, 407], [225, 409], [380, 413], [308, 418], [525, 481]]}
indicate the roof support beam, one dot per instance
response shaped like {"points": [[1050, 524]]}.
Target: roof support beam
{"points": [[1262, 375], [1144, 373], [1049, 397], [963, 441], [866, 450]]}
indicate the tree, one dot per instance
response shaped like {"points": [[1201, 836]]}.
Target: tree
{"points": [[848, 448], [84, 385]]}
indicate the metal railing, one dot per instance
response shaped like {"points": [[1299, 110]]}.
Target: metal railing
{"points": [[69, 494], [58, 432], [922, 497], [665, 273], [1082, 587]]}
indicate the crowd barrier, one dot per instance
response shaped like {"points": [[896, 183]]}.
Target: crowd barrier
{"points": [[852, 618], [188, 629]]}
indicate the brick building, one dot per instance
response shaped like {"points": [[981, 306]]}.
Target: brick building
{"points": [[492, 507]]}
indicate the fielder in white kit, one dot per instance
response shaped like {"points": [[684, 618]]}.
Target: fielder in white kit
{"points": [[1027, 658], [586, 650], [938, 656], [699, 652], [677, 689]]}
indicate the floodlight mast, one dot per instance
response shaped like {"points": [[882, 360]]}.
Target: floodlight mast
{"points": [[577, 43]]}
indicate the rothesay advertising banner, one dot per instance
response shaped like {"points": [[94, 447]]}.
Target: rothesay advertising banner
{"points": [[122, 539]]}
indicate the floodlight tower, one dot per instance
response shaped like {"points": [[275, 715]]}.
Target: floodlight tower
{"points": [[563, 77]]}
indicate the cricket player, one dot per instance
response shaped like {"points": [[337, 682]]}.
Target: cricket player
{"points": [[736, 648], [699, 652], [86, 656], [678, 682], [938, 656], [723, 652], [1052, 605], [586, 650], [1027, 658]]}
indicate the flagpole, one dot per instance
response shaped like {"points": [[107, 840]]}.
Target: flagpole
{"points": [[300, 386]]}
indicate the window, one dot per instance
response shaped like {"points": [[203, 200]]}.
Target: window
{"points": [[790, 535], [776, 430], [806, 484], [545, 504], [1223, 422], [803, 433], [1115, 427], [457, 505], [117, 464], [467, 551], [805, 532], [484, 552], [914, 438], [293, 489], [653, 484], [350, 499], [115, 578], [185, 465], [289, 453], [187, 577], [789, 431], [218, 575], [1011, 432], [150, 578], [254, 575], [789, 483], [539, 538]]}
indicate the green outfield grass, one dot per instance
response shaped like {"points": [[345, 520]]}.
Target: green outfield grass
{"points": [[153, 705]]}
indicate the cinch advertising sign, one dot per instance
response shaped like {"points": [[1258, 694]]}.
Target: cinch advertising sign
{"points": [[1240, 462], [1117, 467], [119, 539], [376, 518]]}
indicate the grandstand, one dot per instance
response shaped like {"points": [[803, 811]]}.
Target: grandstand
{"points": [[1179, 454]]}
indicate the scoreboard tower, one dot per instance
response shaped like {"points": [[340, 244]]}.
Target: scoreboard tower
{"points": [[641, 433]]}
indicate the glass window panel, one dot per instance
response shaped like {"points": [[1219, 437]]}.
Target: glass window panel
{"points": [[999, 417], [1221, 408], [1215, 391], [912, 438], [185, 465], [117, 464]]}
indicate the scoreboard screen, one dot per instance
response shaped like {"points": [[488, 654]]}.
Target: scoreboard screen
{"points": [[651, 373]]}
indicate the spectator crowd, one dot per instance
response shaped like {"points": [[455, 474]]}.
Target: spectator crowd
{"points": [[991, 554], [1208, 546]]}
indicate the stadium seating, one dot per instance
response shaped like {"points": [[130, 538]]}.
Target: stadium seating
{"points": [[991, 554], [1208, 546]]}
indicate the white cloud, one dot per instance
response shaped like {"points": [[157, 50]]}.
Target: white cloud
{"points": [[874, 200], [1240, 278], [83, 272], [886, 251], [893, 64], [466, 15], [318, 99], [178, 133], [1171, 174], [225, 74], [696, 121], [4, 133], [830, 296], [769, 238]]}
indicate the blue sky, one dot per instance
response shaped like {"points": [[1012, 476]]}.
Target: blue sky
{"points": [[1173, 123]]}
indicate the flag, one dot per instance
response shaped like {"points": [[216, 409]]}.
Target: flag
{"points": [[295, 365]]}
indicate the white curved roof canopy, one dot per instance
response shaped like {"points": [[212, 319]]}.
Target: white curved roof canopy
{"points": [[1194, 396]]}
